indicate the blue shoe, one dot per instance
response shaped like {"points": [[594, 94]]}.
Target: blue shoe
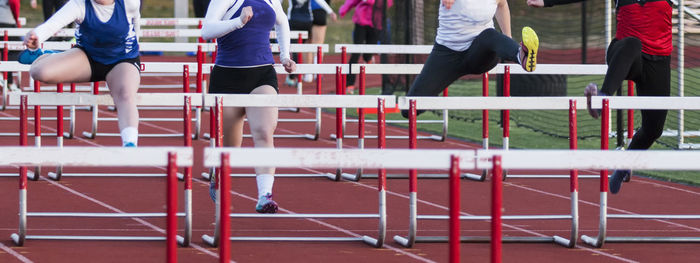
{"points": [[27, 56], [616, 180], [290, 82], [129, 144], [266, 205], [212, 188]]}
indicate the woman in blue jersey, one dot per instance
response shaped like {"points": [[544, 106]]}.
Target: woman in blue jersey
{"points": [[301, 18], [107, 49], [244, 66]]}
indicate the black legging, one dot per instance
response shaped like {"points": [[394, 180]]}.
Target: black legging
{"points": [[51, 6], [652, 76], [200, 7], [445, 65], [362, 35]]}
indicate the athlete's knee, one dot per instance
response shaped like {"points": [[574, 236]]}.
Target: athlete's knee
{"points": [[42, 73], [123, 95], [263, 133]]}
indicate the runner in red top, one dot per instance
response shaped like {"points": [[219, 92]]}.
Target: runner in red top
{"points": [[641, 52]]}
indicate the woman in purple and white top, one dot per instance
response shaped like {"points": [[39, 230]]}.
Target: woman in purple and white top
{"points": [[107, 49], [244, 66]]}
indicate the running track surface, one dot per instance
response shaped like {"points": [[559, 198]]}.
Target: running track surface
{"points": [[307, 195]]}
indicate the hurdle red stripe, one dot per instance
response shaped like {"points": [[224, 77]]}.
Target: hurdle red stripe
{"points": [[96, 88], [630, 112], [454, 228], [343, 60], [319, 77], [186, 78], [361, 111], [573, 142], [412, 144], [506, 93], [224, 202], [338, 111], [73, 88], [381, 140], [200, 61], [496, 209], [37, 112], [171, 199], [485, 113], [604, 140], [59, 114]]}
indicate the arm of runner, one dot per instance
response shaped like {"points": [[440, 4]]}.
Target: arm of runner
{"points": [[326, 8], [217, 22], [549, 3], [503, 17], [282, 30], [349, 4], [134, 7], [69, 13]]}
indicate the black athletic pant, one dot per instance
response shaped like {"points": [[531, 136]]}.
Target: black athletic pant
{"points": [[445, 65], [200, 7], [652, 76], [362, 35]]}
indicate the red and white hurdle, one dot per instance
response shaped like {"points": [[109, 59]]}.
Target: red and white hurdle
{"points": [[170, 157]]}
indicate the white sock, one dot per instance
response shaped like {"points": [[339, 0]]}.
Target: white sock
{"points": [[130, 134], [265, 182]]}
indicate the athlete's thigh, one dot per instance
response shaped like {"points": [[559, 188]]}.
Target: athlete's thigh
{"points": [[439, 71], [69, 66], [124, 77], [262, 118]]}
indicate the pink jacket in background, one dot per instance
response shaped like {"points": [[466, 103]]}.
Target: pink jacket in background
{"points": [[363, 10]]}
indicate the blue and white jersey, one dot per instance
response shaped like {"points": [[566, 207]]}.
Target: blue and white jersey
{"points": [[107, 32], [107, 42], [246, 45]]}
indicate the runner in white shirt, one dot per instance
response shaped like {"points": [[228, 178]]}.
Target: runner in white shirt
{"points": [[467, 43]]}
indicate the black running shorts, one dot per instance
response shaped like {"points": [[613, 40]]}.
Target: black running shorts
{"points": [[241, 80]]}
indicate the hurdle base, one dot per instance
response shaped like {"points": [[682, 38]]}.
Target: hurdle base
{"points": [[15, 239], [564, 242], [594, 242], [209, 240], [403, 176], [484, 239], [476, 177], [372, 241], [403, 241], [32, 176]]}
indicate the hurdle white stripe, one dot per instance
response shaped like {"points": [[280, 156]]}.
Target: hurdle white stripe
{"points": [[166, 46], [93, 157], [78, 99], [144, 33], [414, 69], [14, 253], [302, 101], [170, 21], [177, 67], [592, 159], [439, 159], [384, 49], [549, 103]]}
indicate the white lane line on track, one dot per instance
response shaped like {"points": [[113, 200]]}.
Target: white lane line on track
{"points": [[14, 253], [598, 205]]}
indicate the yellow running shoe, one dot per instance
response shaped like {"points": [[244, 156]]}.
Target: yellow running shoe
{"points": [[528, 49]]}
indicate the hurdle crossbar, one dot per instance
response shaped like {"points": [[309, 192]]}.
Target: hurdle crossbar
{"points": [[143, 33]]}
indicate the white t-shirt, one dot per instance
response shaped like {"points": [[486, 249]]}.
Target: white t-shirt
{"points": [[459, 25], [74, 11]]}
